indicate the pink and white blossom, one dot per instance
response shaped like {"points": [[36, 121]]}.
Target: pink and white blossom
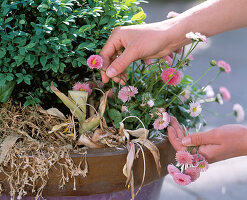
{"points": [[197, 158], [196, 36], [82, 87], [209, 91], [185, 95], [202, 165], [168, 60], [193, 172], [172, 169], [225, 93], [95, 62], [174, 76], [150, 103], [225, 67], [172, 14], [127, 92], [238, 112], [181, 179], [184, 157], [195, 109], [162, 122]]}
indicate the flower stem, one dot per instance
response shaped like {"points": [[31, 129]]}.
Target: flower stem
{"points": [[211, 81]]}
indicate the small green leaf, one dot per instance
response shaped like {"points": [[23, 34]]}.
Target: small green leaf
{"points": [[6, 90], [43, 60]]}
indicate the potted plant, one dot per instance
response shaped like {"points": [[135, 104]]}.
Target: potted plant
{"points": [[48, 46]]}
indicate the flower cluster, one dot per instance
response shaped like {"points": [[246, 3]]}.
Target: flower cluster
{"points": [[188, 167]]}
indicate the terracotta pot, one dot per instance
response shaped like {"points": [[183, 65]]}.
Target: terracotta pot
{"points": [[105, 180]]}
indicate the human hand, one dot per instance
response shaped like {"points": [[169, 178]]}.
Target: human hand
{"points": [[139, 42], [217, 144]]}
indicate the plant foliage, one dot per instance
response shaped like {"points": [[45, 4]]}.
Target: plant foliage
{"points": [[44, 41]]}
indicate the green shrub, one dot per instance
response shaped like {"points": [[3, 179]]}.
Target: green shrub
{"points": [[44, 41]]}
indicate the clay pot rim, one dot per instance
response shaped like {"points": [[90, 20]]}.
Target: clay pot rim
{"points": [[111, 151]]}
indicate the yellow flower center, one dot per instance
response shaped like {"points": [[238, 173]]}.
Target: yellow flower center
{"points": [[161, 122], [202, 165], [170, 75], [82, 90], [194, 109], [94, 61]]}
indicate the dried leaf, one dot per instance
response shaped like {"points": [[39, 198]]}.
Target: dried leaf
{"points": [[54, 112], [139, 133], [57, 127], [6, 145], [90, 124], [70, 104], [130, 161], [85, 140], [103, 102], [100, 134], [80, 98], [153, 149]]}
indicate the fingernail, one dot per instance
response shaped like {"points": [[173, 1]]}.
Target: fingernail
{"points": [[186, 141], [111, 72]]}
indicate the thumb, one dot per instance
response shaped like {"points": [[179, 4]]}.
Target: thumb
{"points": [[122, 62], [197, 139]]}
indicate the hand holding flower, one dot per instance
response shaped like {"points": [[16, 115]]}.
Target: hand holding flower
{"points": [[217, 144]]}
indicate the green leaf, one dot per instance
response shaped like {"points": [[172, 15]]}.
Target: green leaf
{"points": [[43, 60], [6, 90], [86, 28], [116, 116], [2, 52]]}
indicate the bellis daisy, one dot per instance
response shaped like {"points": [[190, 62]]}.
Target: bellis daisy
{"points": [[172, 169], [95, 62], [168, 60], [176, 77], [209, 91], [82, 87], [238, 112], [202, 166], [193, 172], [195, 109], [185, 95], [181, 179], [196, 36], [172, 14], [127, 92], [225, 93], [162, 122], [225, 67], [184, 157]]}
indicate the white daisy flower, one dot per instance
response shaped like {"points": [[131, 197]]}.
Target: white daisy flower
{"points": [[238, 112], [195, 109]]}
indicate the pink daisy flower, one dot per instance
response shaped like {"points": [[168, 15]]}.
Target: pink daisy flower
{"points": [[238, 112], [202, 165], [176, 78], [168, 60], [184, 157], [193, 172], [172, 169], [172, 14], [95, 62], [195, 109], [160, 111], [185, 96], [196, 36], [225, 67], [82, 87], [127, 92], [181, 179], [197, 158], [225, 93], [150, 103], [162, 122]]}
